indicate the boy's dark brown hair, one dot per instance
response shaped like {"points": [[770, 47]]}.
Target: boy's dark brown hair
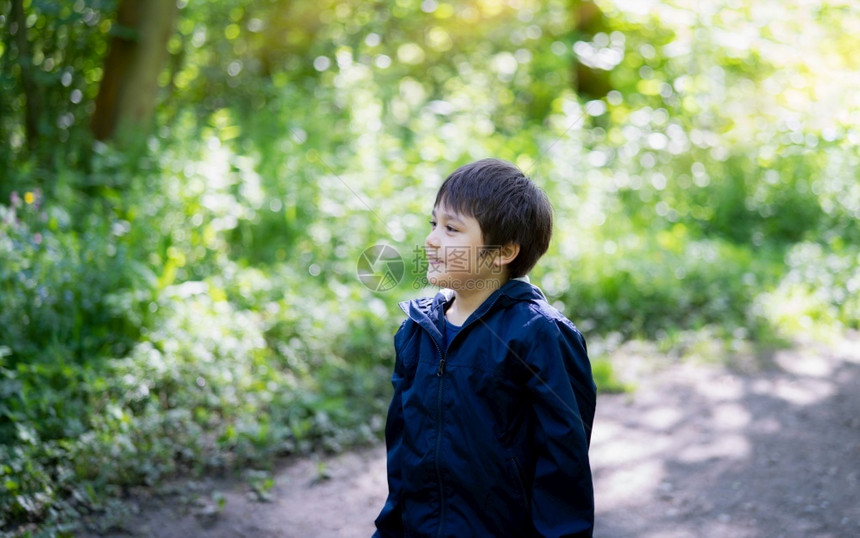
{"points": [[509, 207]]}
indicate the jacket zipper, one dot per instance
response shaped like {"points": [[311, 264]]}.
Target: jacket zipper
{"points": [[442, 503], [442, 359], [440, 371]]}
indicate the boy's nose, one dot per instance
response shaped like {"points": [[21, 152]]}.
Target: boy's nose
{"points": [[430, 241]]}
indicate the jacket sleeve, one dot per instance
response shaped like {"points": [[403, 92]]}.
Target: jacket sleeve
{"points": [[563, 394], [389, 523]]}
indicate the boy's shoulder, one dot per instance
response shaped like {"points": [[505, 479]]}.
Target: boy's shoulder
{"points": [[540, 316]]}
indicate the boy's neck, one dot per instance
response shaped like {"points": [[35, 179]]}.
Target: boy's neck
{"points": [[467, 301]]}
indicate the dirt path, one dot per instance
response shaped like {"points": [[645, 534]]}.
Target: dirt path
{"points": [[696, 451]]}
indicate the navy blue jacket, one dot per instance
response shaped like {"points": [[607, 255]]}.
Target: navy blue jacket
{"points": [[490, 436]]}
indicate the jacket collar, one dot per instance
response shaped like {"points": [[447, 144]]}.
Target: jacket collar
{"points": [[429, 311]]}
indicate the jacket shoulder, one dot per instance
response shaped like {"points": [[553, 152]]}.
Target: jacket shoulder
{"points": [[535, 324], [542, 315]]}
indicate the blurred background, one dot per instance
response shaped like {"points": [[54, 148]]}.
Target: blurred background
{"points": [[188, 187]]}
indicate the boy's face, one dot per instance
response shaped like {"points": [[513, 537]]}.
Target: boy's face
{"points": [[456, 255]]}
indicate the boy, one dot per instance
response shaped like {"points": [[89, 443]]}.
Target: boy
{"points": [[490, 423]]}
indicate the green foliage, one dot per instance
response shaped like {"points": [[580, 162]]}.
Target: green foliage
{"points": [[606, 378], [645, 287], [148, 352], [65, 43], [191, 303], [818, 293]]}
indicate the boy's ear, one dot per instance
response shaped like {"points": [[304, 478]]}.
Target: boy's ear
{"points": [[507, 254]]}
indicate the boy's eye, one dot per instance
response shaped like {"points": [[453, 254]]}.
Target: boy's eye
{"points": [[448, 227]]}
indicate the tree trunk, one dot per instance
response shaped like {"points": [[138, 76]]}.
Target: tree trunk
{"points": [[32, 101], [138, 51], [588, 19]]}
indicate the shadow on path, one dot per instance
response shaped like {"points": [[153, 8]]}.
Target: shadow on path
{"points": [[707, 452]]}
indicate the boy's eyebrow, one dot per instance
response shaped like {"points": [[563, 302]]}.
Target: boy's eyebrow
{"points": [[449, 216]]}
